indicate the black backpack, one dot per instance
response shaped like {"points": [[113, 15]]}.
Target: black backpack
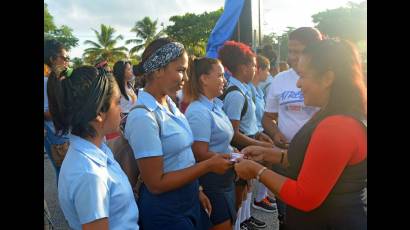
{"points": [[235, 88]]}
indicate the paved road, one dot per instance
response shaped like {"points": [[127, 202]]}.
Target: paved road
{"points": [[50, 195]]}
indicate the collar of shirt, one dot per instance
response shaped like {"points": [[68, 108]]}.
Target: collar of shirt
{"points": [[240, 85], [211, 104], [101, 155], [152, 104]]}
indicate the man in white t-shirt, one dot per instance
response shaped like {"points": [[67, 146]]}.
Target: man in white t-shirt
{"points": [[284, 102]]}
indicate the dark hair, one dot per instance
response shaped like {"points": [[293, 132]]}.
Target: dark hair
{"points": [[283, 66], [232, 54], [268, 52], [197, 67], [306, 35], [151, 48], [52, 48], [348, 91], [135, 70], [119, 74], [67, 97], [262, 62]]}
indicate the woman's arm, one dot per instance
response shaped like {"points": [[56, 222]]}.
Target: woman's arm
{"points": [[240, 139], [201, 150], [247, 169], [273, 155], [333, 146], [100, 224], [151, 170], [336, 142]]}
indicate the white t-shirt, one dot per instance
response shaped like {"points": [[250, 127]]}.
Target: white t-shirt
{"points": [[126, 106], [286, 99]]}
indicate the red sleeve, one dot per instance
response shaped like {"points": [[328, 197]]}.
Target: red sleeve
{"points": [[336, 142]]}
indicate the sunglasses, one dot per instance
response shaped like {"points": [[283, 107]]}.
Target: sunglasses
{"points": [[64, 58]]}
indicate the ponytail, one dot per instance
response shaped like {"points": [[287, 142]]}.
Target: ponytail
{"points": [[76, 100], [196, 68], [56, 98]]}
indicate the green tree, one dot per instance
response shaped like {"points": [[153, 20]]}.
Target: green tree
{"points": [[77, 62], [193, 30], [282, 41], [64, 34], [146, 32], [344, 22], [105, 47], [48, 20], [269, 39]]}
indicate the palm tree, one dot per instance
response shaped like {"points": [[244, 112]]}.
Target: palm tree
{"points": [[77, 62], [105, 46], [146, 31]]}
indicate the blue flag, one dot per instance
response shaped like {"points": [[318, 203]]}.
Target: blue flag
{"points": [[224, 26]]}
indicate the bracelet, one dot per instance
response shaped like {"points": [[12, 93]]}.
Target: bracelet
{"points": [[281, 157], [258, 176], [200, 188]]}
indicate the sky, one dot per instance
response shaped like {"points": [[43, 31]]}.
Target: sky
{"points": [[84, 15]]}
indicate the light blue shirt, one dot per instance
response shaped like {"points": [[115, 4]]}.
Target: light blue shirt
{"points": [[264, 85], [233, 104], [257, 97], [210, 124], [92, 186], [174, 142]]}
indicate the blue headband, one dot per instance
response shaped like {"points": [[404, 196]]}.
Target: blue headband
{"points": [[162, 56]]}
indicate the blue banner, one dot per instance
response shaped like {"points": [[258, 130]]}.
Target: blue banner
{"points": [[224, 26]]}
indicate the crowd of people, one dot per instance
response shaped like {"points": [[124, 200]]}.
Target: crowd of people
{"points": [[205, 133]]}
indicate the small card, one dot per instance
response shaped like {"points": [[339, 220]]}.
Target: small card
{"points": [[235, 156]]}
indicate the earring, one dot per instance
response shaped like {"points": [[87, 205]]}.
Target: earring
{"points": [[99, 118]]}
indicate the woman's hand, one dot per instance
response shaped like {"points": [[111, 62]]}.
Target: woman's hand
{"points": [[256, 153], [220, 163], [265, 138], [247, 169], [235, 150], [280, 140], [206, 204]]}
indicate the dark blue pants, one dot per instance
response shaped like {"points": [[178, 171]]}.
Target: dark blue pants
{"points": [[177, 209]]}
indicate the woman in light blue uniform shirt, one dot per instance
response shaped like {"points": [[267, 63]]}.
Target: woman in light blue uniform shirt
{"points": [[93, 191], [161, 139], [262, 200], [212, 133], [240, 60]]}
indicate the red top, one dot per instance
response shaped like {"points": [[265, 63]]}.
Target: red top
{"points": [[336, 142]]}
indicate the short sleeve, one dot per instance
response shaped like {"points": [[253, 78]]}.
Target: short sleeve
{"points": [[200, 123], [142, 133], [272, 101], [233, 104], [91, 198]]}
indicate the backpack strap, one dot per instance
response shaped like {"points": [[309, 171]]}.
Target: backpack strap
{"points": [[235, 88], [266, 87], [124, 155], [141, 106]]}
